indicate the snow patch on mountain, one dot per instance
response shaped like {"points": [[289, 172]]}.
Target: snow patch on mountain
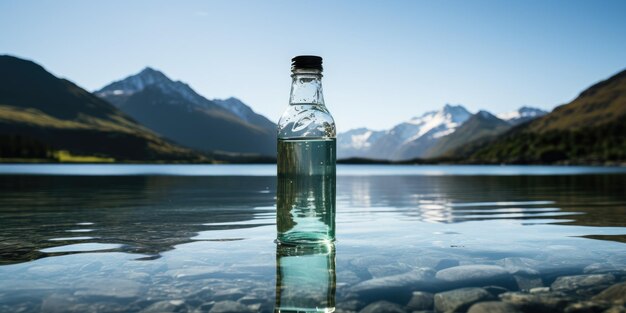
{"points": [[444, 122], [354, 142], [521, 115]]}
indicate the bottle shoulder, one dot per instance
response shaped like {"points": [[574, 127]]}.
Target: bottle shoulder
{"points": [[306, 121]]}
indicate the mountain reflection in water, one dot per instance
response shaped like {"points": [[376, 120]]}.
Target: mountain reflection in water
{"points": [[152, 214]]}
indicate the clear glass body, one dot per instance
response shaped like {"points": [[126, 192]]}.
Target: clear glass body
{"points": [[305, 200], [305, 278]]}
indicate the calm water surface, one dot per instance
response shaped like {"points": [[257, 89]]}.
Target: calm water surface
{"points": [[90, 238]]}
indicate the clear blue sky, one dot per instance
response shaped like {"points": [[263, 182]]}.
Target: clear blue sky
{"points": [[385, 61]]}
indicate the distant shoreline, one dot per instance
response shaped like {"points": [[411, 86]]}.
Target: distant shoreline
{"points": [[349, 161]]}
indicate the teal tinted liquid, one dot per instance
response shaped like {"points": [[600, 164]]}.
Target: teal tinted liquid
{"points": [[306, 191], [305, 278]]}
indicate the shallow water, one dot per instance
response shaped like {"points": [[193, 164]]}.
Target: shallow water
{"points": [[184, 243]]}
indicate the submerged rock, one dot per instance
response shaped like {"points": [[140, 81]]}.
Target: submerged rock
{"points": [[579, 283], [383, 307], [460, 299], [493, 307], [540, 302], [421, 301], [396, 288], [587, 307], [476, 275]]}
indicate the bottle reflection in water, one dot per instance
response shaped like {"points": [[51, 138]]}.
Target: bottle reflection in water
{"points": [[305, 278], [306, 160]]}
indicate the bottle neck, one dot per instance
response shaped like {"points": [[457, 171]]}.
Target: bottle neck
{"points": [[306, 87]]}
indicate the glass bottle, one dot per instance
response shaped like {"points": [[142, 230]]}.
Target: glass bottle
{"points": [[306, 160]]}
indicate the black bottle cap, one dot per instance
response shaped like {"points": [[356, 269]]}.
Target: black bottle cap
{"points": [[307, 61]]}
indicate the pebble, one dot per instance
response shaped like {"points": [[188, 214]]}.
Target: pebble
{"points": [[493, 307], [460, 299], [421, 301], [383, 307], [539, 290]]}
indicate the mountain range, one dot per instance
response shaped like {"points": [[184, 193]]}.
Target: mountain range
{"points": [[148, 117], [42, 115], [431, 134], [174, 110]]}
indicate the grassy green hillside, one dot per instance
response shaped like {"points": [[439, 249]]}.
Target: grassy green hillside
{"points": [[590, 129], [37, 107]]}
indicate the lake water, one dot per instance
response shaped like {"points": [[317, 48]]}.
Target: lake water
{"points": [[183, 238]]}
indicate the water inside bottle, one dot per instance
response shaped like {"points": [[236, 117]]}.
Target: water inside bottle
{"points": [[306, 190]]}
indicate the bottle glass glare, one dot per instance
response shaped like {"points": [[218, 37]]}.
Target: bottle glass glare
{"points": [[306, 160]]}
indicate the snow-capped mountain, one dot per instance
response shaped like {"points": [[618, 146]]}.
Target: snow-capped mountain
{"points": [[148, 76], [430, 134], [119, 90], [174, 110], [522, 115], [431, 127], [439, 123], [354, 142], [406, 140]]}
